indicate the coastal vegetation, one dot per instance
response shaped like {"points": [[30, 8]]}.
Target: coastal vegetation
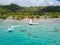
{"points": [[17, 12]]}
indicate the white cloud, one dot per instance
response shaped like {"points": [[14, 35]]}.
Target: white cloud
{"points": [[31, 2], [6, 1], [51, 3]]}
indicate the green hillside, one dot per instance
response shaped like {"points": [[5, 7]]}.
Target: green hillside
{"points": [[19, 12]]}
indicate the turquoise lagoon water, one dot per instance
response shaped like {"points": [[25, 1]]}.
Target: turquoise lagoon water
{"points": [[45, 33]]}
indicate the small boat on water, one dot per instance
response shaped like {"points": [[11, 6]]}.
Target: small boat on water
{"points": [[31, 22], [10, 29]]}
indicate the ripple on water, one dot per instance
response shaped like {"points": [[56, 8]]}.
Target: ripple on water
{"points": [[25, 34]]}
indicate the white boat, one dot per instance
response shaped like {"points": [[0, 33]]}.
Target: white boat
{"points": [[10, 29], [31, 22]]}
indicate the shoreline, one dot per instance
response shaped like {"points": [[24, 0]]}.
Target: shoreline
{"points": [[26, 20]]}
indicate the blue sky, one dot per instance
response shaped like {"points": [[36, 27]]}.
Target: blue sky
{"points": [[32, 2]]}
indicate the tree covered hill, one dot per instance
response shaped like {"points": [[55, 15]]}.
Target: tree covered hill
{"points": [[51, 9], [13, 9], [16, 8]]}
